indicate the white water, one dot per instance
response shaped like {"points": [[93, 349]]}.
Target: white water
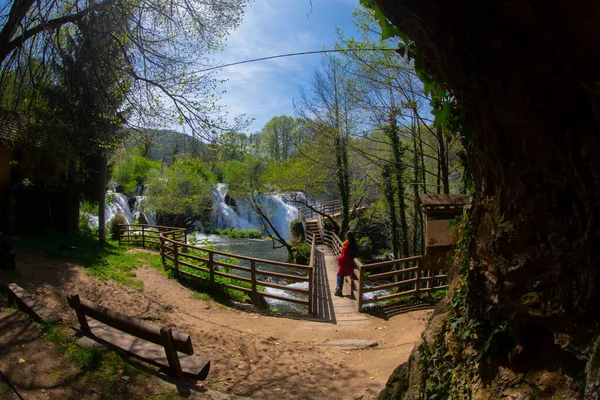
{"points": [[120, 205], [278, 208]]}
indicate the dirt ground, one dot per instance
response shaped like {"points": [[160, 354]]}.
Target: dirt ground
{"points": [[252, 354]]}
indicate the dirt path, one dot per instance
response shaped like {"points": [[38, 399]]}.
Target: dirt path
{"points": [[253, 354]]}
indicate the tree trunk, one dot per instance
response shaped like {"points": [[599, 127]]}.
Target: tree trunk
{"points": [[398, 155], [525, 76], [442, 159], [102, 200], [388, 190]]}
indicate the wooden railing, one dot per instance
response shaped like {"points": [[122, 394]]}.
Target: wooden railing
{"points": [[403, 277], [330, 208], [245, 274], [406, 276], [148, 235]]}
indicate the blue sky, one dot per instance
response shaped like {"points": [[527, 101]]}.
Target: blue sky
{"points": [[264, 89]]}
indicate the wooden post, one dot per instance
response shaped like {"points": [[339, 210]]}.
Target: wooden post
{"points": [[311, 284], [418, 282], [162, 247], [120, 232], [76, 304], [176, 259], [171, 353], [211, 265], [255, 297], [143, 236], [361, 278], [352, 283]]}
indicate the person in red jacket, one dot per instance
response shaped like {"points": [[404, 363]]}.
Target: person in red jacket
{"points": [[346, 261]]}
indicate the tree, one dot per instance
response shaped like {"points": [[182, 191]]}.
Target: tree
{"points": [[164, 58], [83, 93], [276, 138], [328, 111], [180, 195], [523, 98]]}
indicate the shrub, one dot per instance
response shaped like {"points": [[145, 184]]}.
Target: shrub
{"points": [[113, 225], [300, 253]]}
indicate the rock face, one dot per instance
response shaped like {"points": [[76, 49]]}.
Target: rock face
{"points": [[526, 75]]}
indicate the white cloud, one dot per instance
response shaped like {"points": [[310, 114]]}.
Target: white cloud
{"points": [[271, 27]]}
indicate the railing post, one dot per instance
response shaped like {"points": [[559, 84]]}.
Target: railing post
{"points": [[255, 297], [311, 284], [361, 278], [418, 282], [143, 236], [162, 247], [120, 232], [211, 265], [352, 283], [176, 259]]}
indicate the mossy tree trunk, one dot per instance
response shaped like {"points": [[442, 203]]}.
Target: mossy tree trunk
{"points": [[525, 75]]}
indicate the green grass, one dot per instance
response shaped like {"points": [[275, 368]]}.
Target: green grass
{"points": [[201, 296], [106, 262], [106, 363], [236, 234]]}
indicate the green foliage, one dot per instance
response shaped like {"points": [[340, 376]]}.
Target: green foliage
{"points": [[84, 229], [131, 170], [235, 234], [89, 208], [442, 103], [451, 361], [277, 141], [182, 189], [300, 253], [113, 225]]}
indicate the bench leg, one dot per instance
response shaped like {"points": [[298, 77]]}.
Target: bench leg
{"points": [[174, 365], [75, 303]]}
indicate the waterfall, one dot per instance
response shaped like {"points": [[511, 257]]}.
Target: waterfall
{"points": [[277, 207], [222, 215], [141, 214], [118, 203]]}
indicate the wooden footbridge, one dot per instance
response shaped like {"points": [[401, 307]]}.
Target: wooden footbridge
{"points": [[311, 286]]}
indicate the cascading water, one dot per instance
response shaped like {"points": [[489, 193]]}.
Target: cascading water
{"points": [[141, 214], [118, 203], [277, 207], [222, 215]]}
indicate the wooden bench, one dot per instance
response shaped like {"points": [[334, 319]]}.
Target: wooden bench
{"points": [[157, 345], [15, 294]]}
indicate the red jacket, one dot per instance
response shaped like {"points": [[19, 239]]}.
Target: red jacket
{"points": [[345, 260]]}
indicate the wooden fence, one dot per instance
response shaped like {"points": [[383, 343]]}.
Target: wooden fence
{"points": [[403, 277], [148, 235], [245, 274]]}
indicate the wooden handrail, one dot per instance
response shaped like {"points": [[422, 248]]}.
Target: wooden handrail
{"points": [[359, 276]]}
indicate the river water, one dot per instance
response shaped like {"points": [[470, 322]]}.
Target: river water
{"points": [[263, 249], [257, 248]]}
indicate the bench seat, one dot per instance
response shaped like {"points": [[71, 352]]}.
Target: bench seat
{"points": [[191, 365]]}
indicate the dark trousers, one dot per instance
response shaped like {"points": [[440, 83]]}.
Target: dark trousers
{"points": [[340, 281]]}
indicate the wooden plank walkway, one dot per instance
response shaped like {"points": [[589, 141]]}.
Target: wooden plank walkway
{"points": [[330, 308]]}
